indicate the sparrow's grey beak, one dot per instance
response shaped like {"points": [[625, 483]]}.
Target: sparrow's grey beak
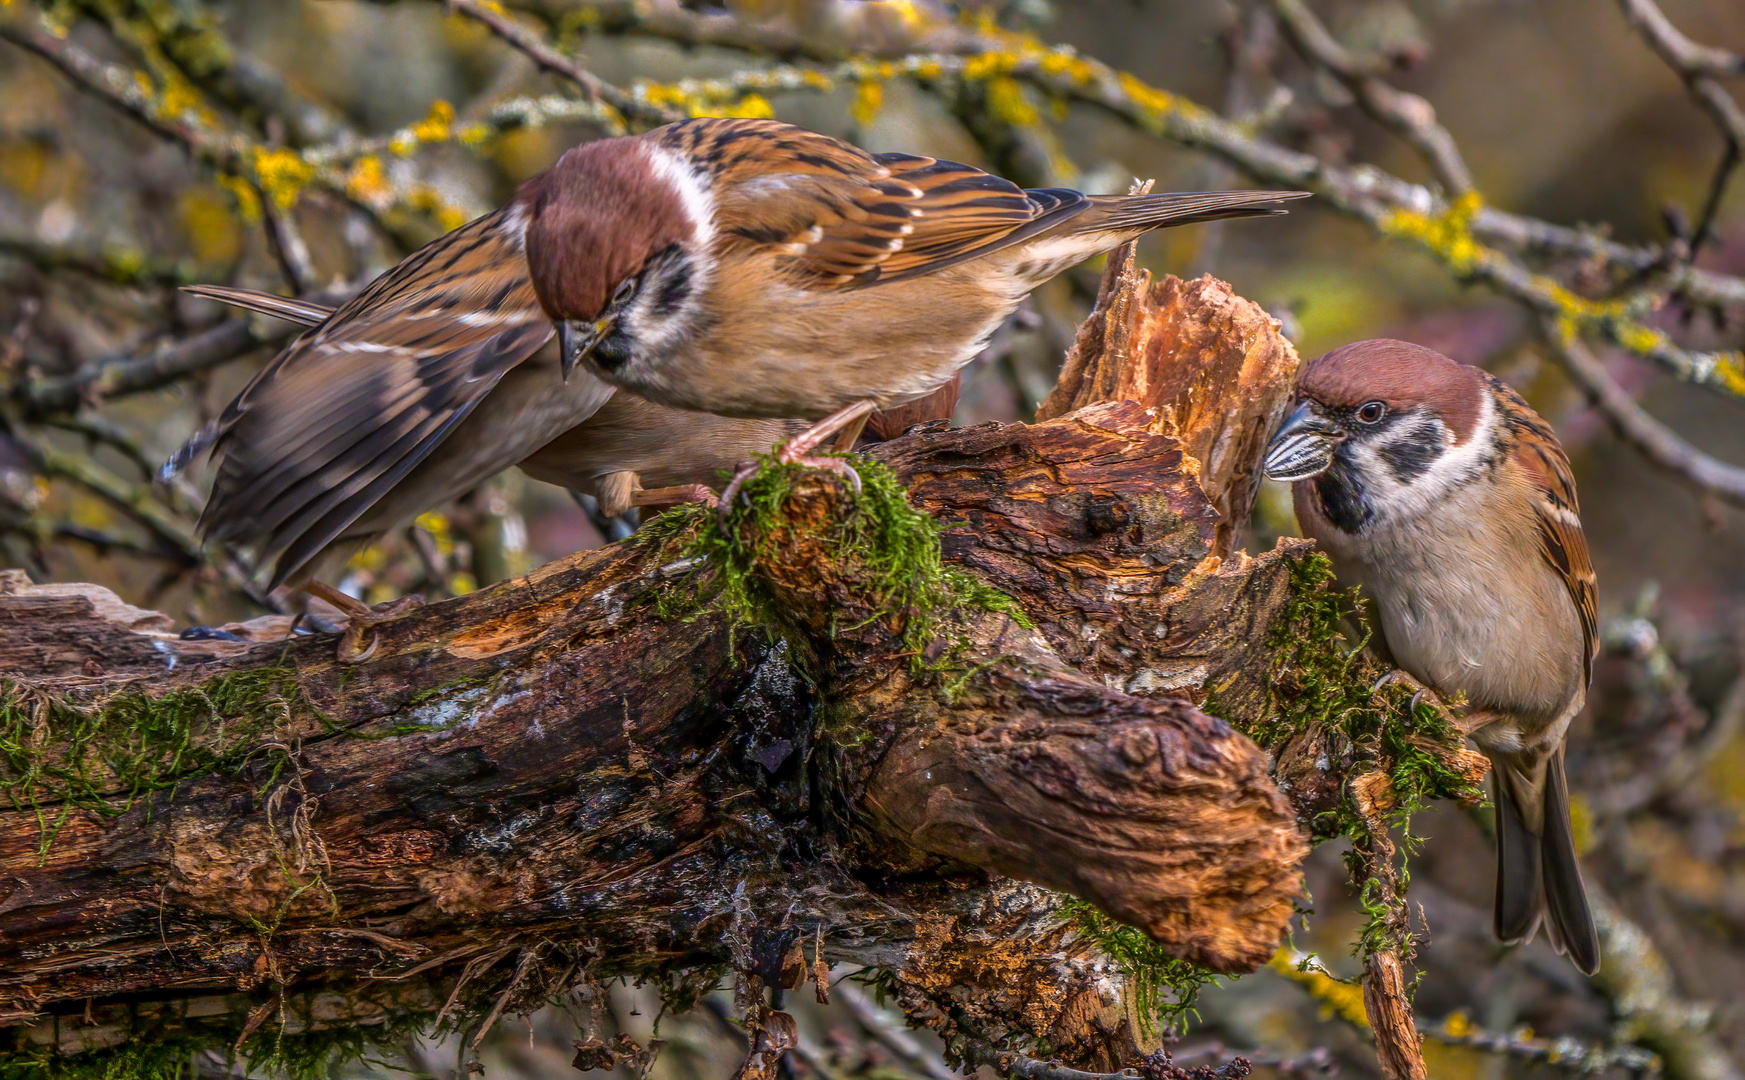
{"points": [[1304, 446], [575, 340]]}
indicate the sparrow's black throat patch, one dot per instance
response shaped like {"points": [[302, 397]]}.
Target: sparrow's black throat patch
{"points": [[1344, 499]]}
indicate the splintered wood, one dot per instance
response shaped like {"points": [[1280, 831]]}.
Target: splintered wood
{"points": [[1213, 365]]}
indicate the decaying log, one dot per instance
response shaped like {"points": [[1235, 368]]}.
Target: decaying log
{"points": [[548, 780]]}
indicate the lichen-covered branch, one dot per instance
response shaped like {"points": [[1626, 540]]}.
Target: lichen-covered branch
{"points": [[1653, 439]]}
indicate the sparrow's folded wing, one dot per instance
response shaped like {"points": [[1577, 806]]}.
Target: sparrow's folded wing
{"points": [[1561, 539], [340, 417], [840, 217]]}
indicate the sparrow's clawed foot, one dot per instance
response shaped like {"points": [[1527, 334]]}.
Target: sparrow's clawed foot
{"points": [[362, 619], [1465, 720], [666, 497], [1420, 692], [845, 423]]}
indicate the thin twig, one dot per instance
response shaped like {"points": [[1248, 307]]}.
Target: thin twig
{"points": [[535, 48], [873, 1021], [115, 86], [285, 241], [1012, 1063], [1566, 1053], [1654, 440], [1405, 114], [117, 266], [135, 501], [150, 371], [1699, 66], [1638, 981]]}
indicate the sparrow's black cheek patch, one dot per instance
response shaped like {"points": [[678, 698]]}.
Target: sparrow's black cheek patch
{"points": [[1344, 502], [674, 291], [1411, 454]]}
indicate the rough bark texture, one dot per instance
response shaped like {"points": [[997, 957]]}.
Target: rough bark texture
{"points": [[547, 781], [1388, 1005], [1212, 363]]}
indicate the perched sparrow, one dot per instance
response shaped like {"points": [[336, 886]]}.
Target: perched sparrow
{"points": [[1436, 488], [752, 268]]}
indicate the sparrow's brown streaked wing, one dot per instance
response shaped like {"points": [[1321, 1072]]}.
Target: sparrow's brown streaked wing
{"points": [[1561, 539], [288, 308], [846, 218], [337, 419]]}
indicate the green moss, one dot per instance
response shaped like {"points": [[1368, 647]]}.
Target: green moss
{"points": [[1162, 989], [104, 756], [1323, 680], [884, 546], [308, 1055]]}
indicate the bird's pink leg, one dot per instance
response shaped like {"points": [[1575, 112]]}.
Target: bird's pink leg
{"points": [[847, 423], [361, 618], [672, 496]]}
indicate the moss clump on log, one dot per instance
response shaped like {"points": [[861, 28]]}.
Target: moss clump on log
{"points": [[1324, 685], [105, 755], [884, 543], [1358, 756], [1162, 989]]}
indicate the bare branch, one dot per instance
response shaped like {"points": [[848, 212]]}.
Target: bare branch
{"points": [[287, 245], [535, 48], [1657, 442], [134, 500], [1638, 980], [1569, 1054], [1405, 114], [1680, 52], [1699, 66], [872, 1020], [114, 86], [117, 265], [134, 374]]}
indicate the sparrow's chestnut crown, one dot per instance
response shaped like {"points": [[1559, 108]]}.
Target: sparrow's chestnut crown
{"points": [[1398, 376], [595, 220]]}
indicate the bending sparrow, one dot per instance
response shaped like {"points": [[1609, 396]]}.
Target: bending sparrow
{"points": [[423, 385], [628, 442], [1436, 488], [751, 268]]}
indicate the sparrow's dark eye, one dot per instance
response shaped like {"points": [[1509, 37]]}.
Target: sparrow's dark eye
{"points": [[626, 289], [1372, 412]]}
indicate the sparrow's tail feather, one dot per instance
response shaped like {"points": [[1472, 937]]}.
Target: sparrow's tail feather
{"points": [[1119, 213], [1570, 923], [1538, 875], [279, 307], [1520, 889]]}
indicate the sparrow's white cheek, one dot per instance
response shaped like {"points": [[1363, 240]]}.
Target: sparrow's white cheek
{"points": [[1412, 468]]}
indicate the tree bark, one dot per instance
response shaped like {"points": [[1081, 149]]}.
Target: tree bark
{"points": [[547, 781]]}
